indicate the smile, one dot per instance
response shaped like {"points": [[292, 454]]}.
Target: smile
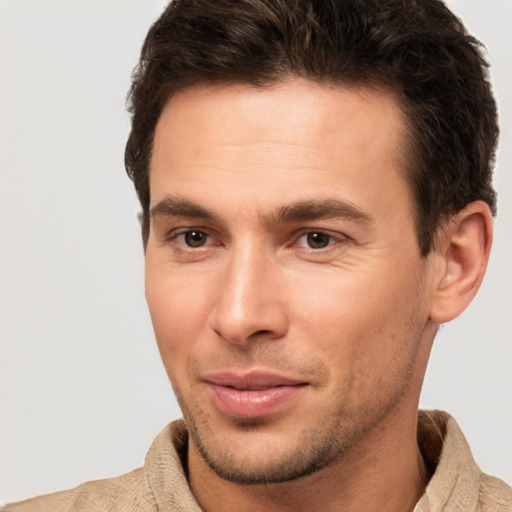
{"points": [[252, 395]]}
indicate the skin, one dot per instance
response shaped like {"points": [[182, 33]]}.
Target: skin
{"points": [[245, 271]]}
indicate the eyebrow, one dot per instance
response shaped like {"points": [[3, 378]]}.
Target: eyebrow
{"points": [[179, 207], [319, 209], [294, 212]]}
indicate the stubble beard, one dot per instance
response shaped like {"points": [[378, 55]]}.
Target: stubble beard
{"points": [[312, 453], [332, 438], [315, 449]]}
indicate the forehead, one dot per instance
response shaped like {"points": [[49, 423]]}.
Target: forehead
{"points": [[278, 111], [261, 143]]}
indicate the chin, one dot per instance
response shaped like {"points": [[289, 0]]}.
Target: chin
{"points": [[249, 456], [240, 469]]}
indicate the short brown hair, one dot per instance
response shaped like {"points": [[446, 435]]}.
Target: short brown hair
{"points": [[417, 48]]}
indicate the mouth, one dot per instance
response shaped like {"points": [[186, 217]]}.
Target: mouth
{"points": [[254, 394]]}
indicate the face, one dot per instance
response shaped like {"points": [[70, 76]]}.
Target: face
{"points": [[283, 274]]}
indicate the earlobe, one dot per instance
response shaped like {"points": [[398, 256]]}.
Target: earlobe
{"points": [[462, 253]]}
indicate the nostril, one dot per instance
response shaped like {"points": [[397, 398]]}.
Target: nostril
{"points": [[261, 332]]}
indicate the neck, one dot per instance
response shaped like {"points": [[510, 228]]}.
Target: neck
{"points": [[384, 472]]}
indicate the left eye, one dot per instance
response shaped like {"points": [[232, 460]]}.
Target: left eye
{"points": [[316, 240]]}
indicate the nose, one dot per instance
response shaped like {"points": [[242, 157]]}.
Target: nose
{"points": [[249, 301]]}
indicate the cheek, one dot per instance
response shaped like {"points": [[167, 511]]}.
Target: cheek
{"points": [[361, 317], [178, 313], [368, 339]]}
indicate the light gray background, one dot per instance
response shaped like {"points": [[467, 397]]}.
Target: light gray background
{"points": [[82, 389]]}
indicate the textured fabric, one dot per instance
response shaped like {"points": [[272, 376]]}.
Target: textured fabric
{"points": [[161, 485], [457, 484]]}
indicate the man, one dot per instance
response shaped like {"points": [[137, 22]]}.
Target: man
{"points": [[315, 182]]}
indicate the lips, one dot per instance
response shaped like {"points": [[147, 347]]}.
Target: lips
{"points": [[252, 395]]}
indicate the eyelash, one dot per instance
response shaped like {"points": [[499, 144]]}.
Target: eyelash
{"points": [[332, 239], [184, 233]]}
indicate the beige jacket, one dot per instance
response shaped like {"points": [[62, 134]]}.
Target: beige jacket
{"points": [[161, 485]]}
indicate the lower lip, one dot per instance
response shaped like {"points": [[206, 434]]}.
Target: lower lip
{"points": [[252, 403]]}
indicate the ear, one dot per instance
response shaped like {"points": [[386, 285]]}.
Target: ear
{"points": [[461, 253]]}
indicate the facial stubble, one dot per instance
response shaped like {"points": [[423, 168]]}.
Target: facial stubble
{"points": [[315, 448]]}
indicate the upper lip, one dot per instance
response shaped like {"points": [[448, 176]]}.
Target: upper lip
{"points": [[252, 380]]}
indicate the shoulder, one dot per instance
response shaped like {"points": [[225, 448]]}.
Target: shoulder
{"points": [[124, 493], [457, 482], [162, 479], [495, 495]]}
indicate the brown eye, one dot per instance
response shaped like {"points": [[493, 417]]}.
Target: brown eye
{"points": [[194, 238], [315, 240], [318, 240]]}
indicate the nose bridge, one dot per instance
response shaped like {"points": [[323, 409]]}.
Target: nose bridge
{"points": [[248, 302]]}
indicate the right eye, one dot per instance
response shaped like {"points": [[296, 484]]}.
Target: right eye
{"points": [[193, 238]]}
